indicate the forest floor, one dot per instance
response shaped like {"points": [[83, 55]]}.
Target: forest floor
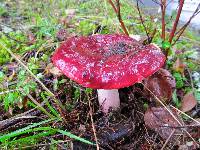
{"points": [[40, 108]]}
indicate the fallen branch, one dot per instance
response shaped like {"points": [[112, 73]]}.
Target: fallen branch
{"points": [[16, 119]]}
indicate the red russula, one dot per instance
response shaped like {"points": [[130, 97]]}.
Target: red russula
{"points": [[110, 61]]}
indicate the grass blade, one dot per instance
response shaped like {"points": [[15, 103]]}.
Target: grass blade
{"points": [[74, 137], [23, 130]]}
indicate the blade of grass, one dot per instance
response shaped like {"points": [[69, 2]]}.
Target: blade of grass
{"points": [[52, 109], [23, 130], [49, 105], [31, 138], [29, 129], [74, 137]]}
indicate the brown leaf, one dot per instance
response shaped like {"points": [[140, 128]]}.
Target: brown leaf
{"points": [[82, 128], [161, 84], [183, 147], [70, 13], [10, 110], [20, 104], [161, 121], [179, 66], [195, 130], [189, 101], [25, 102], [53, 70], [10, 78], [61, 34], [31, 38]]}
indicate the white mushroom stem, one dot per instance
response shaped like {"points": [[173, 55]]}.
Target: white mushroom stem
{"points": [[108, 99]]}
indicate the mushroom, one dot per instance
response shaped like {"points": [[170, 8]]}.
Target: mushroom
{"points": [[107, 63]]}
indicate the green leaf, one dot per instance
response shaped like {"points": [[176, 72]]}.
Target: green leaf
{"points": [[26, 89], [145, 105], [2, 76], [179, 80], [21, 74], [197, 96], [10, 99], [166, 45], [175, 99], [77, 93], [85, 27], [62, 81], [191, 65], [88, 91]]}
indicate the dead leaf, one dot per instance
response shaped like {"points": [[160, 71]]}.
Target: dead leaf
{"points": [[53, 70], [189, 101], [61, 34], [25, 102], [195, 128], [31, 38], [10, 110], [161, 84], [70, 11], [10, 78], [183, 147], [179, 66], [189, 145], [65, 21], [161, 121], [82, 128], [20, 103]]}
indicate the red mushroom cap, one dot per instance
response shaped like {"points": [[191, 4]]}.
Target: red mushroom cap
{"points": [[107, 61]]}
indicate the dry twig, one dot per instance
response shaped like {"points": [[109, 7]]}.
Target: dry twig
{"points": [[142, 21], [163, 8], [93, 127], [117, 11], [181, 2]]}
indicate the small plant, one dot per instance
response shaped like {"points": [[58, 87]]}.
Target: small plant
{"points": [[17, 92], [3, 11], [179, 80]]}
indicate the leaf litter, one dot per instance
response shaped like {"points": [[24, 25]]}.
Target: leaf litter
{"points": [[161, 84], [188, 102]]}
